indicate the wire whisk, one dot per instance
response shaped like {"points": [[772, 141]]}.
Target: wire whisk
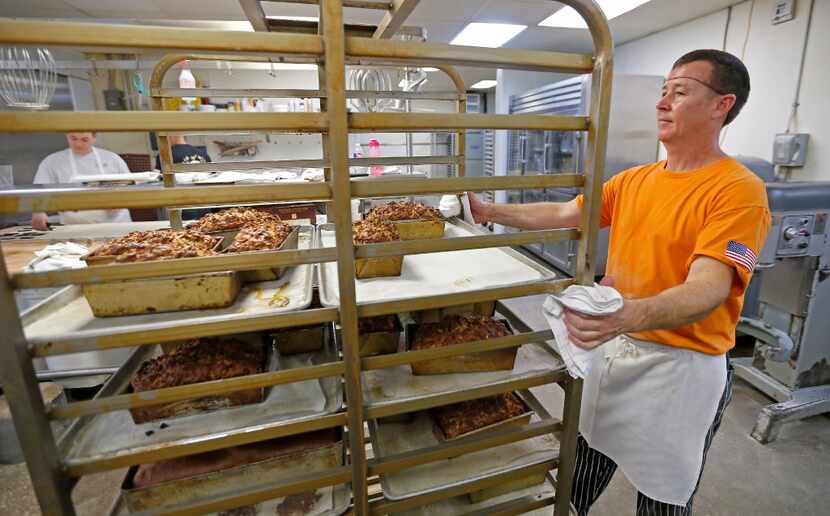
{"points": [[27, 77]]}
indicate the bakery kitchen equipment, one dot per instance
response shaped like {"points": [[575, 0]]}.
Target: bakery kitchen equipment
{"points": [[786, 309]]}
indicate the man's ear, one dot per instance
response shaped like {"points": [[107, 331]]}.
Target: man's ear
{"points": [[724, 105]]}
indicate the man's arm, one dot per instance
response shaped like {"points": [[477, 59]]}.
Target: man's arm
{"points": [[706, 287], [541, 215]]}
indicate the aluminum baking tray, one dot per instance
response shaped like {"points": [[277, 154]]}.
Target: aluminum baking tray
{"points": [[462, 505], [279, 467], [437, 273], [67, 313], [114, 433], [331, 501], [393, 384], [401, 437]]}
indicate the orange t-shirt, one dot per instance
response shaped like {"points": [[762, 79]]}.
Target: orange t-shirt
{"points": [[661, 220]]}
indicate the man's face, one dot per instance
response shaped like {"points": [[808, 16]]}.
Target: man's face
{"points": [[688, 108], [80, 143]]}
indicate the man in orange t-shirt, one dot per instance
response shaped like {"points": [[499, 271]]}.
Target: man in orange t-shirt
{"points": [[685, 234]]}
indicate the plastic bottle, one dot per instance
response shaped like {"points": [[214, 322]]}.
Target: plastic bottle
{"points": [[187, 80], [374, 152]]}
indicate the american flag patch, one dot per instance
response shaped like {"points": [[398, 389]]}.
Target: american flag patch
{"points": [[741, 255]]}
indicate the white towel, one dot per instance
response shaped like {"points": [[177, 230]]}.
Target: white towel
{"points": [[137, 177], [62, 255], [449, 206], [596, 300]]}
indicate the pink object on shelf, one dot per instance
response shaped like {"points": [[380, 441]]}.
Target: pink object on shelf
{"points": [[374, 152]]}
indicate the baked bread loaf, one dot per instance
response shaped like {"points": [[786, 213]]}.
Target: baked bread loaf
{"points": [[263, 236], [202, 463], [200, 360], [232, 218], [395, 211], [468, 416], [371, 231], [458, 329], [196, 361], [141, 246]]}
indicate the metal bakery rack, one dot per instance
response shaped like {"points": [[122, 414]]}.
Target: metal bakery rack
{"points": [[55, 464]]}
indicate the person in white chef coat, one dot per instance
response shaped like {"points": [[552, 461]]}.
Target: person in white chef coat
{"points": [[82, 158], [685, 234]]}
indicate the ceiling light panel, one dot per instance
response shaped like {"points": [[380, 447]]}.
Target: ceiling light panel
{"points": [[489, 35], [486, 84], [568, 18]]}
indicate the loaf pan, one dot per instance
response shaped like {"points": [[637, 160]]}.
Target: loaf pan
{"points": [[485, 361], [210, 403]]}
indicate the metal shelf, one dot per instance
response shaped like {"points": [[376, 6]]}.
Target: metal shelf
{"points": [[54, 464]]}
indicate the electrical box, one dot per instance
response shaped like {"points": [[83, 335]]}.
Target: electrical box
{"points": [[790, 149], [784, 11]]}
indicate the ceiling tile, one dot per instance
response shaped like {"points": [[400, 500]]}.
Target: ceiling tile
{"points": [[442, 32], [445, 10], [115, 8], [220, 10], [522, 12], [38, 9]]}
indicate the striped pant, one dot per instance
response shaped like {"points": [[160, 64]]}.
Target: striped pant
{"points": [[594, 470]]}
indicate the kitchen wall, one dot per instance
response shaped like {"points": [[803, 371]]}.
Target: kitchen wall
{"points": [[772, 54], [299, 146]]}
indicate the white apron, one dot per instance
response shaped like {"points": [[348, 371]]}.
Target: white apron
{"points": [[91, 216], [648, 407]]}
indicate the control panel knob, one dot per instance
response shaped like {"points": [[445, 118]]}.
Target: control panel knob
{"points": [[790, 233]]}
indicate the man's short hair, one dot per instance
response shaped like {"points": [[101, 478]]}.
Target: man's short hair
{"points": [[729, 75]]}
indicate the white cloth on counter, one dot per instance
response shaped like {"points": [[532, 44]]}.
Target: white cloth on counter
{"points": [[63, 255], [137, 177], [313, 174], [596, 300], [236, 176]]}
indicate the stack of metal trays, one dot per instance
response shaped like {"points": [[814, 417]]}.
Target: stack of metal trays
{"points": [[67, 315], [109, 435], [437, 273]]}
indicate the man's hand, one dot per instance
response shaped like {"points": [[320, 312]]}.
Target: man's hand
{"points": [[478, 208], [40, 221], [588, 331]]}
